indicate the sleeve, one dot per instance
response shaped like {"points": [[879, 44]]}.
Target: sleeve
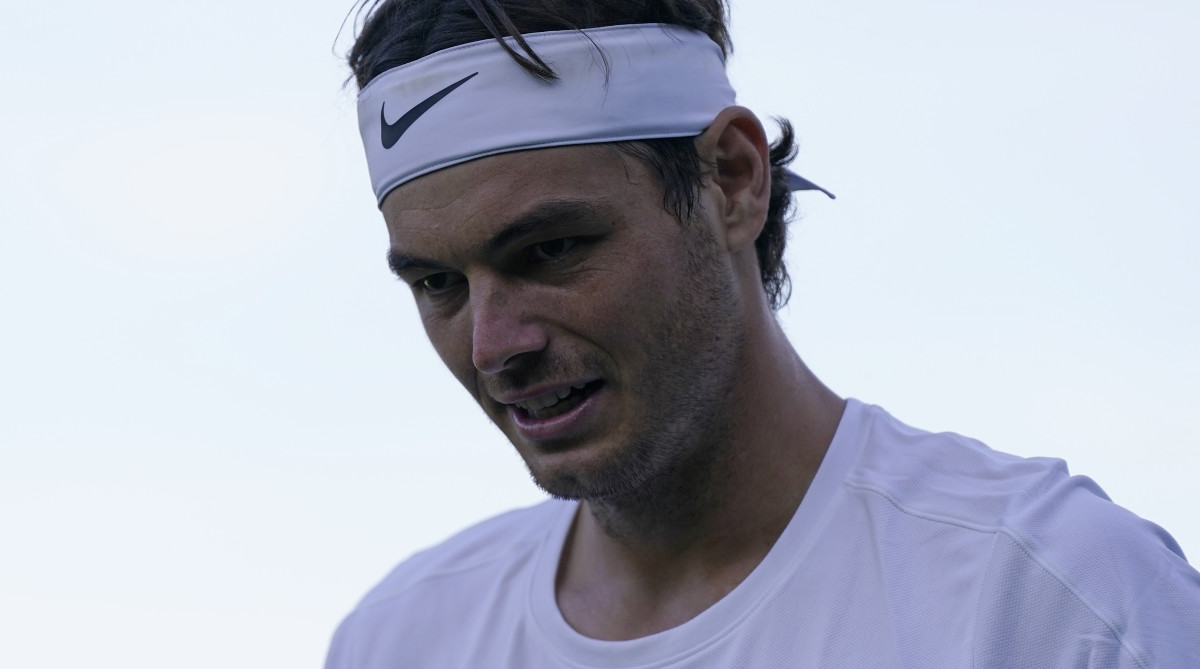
{"points": [[1086, 583]]}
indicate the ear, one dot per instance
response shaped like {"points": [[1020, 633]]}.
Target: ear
{"points": [[737, 145]]}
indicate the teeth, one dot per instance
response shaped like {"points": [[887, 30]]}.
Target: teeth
{"points": [[548, 400], [539, 403]]}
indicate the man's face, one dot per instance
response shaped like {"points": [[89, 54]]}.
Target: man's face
{"points": [[596, 330]]}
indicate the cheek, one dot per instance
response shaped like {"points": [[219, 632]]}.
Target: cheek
{"points": [[627, 307], [451, 339]]}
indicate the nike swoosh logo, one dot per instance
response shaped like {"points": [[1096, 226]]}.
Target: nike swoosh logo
{"points": [[390, 133]]}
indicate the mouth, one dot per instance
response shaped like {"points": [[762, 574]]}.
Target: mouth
{"points": [[554, 404]]}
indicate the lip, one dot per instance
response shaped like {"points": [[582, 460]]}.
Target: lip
{"points": [[559, 427]]}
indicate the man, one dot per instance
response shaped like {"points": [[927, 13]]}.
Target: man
{"points": [[593, 233]]}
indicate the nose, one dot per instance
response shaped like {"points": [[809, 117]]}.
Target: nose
{"points": [[504, 326]]}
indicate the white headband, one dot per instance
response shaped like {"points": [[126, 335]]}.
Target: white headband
{"points": [[466, 102]]}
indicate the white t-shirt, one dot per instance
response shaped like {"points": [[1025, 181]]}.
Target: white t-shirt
{"points": [[910, 549]]}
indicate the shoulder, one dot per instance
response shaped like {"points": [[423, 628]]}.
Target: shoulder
{"points": [[514, 535], [945, 477], [939, 473], [460, 589], [1053, 551]]}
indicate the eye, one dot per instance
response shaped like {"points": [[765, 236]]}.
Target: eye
{"points": [[551, 250], [437, 283]]}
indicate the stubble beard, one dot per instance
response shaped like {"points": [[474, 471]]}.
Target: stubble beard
{"points": [[668, 468]]}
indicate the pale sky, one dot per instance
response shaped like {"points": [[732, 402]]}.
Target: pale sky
{"points": [[220, 421]]}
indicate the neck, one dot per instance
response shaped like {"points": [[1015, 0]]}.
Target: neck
{"points": [[748, 480], [675, 546]]}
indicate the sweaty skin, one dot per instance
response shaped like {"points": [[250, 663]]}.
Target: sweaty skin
{"points": [[632, 359]]}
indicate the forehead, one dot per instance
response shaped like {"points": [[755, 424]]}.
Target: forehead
{"points": [[472, 200]]}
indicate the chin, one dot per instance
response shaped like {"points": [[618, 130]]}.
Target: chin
{"points": [[590, 471], [564, 475]]}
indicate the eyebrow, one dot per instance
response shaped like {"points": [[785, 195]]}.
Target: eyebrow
{"points": [[544, 214], [401, 262]]}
